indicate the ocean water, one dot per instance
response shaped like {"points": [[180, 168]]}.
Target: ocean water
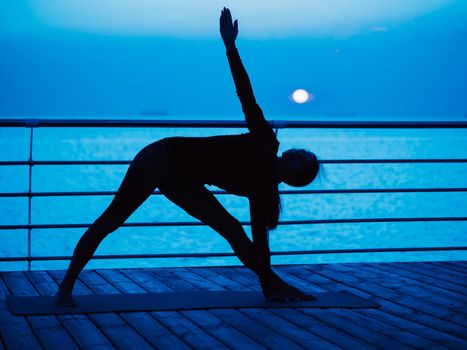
{"points": [[124, 143]]}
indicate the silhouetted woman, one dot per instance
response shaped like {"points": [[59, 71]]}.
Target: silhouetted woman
{"points": [[244, 165]]}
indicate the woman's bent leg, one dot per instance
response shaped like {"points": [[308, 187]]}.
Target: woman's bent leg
{"points": [[137, 185], [197, 201]]}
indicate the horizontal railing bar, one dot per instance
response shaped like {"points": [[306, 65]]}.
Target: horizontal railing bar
{"points": [[323, 161], [220, 192], [207, 255], [65, 162], [247, 223], [382, 161], [279, 124]]}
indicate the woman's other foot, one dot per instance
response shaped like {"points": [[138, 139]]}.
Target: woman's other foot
{"points": [[282, 291], [290, 296], [64, 298]]}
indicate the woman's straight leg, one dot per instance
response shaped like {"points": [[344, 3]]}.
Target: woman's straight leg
{"points": [[138, 184]]}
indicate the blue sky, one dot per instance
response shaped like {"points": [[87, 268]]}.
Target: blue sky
{"points": [[391, 59]]}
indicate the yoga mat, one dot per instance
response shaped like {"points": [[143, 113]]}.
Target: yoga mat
{"points": [[190, 300]]}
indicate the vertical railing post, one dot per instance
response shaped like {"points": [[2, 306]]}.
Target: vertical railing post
{"points": [[276, 125], [31, 123]]}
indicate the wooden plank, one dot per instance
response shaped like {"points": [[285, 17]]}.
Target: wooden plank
{"points": [[461, 264], [361, 279], [222, 330], [411, 327], [268, 337], [329, 336], [197, 336], [48, 329], [230, 275], [122, 334], [333, 317], [15, 331], [335, 285], [359, 316], [144, 279], [396, 334], [426, 293], [348, 321], [18, 284], [447, 269], [437, 331], [237, 339], [145, 325], [405, 295], [188, 275], [87, 334], [96, 284], [452, 266], [127, 285], [79, 289], [154, 332], [442, 273], [306, 334], [447, 288], [120, 281], [193, 335], [99, 284], [433, 295], [353, 326], [396, 316], [298, 282], [422, 275], [42, 281], [175, 322], [315, 281], [213, 277], [171, 280], [448, 276], [410, 283], [441, 281], [265, 317]]}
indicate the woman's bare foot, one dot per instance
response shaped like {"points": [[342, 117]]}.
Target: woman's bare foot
{"points": [[282, 291], [290, 296], [64, 298]]}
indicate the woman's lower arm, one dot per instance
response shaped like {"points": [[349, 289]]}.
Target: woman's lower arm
{"points": [[230, 46]]}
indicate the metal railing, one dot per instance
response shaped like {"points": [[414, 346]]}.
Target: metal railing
{"points": [[30, 194]]}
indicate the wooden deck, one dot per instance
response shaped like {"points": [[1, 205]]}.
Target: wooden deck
{"points": [[423, 306]]}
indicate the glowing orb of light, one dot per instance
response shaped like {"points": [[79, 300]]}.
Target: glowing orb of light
{"points": [[301, 96]]}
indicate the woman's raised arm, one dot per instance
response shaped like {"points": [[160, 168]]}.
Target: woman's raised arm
{"points": [[253, 114]]}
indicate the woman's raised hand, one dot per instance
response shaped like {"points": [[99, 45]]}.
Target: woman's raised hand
{"points": [[228, 29]]}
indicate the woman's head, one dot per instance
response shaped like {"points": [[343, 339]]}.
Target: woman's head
{"points": [[299, 167]]}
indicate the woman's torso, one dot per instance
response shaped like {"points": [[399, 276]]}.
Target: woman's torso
{"points": [[240, 164]]}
